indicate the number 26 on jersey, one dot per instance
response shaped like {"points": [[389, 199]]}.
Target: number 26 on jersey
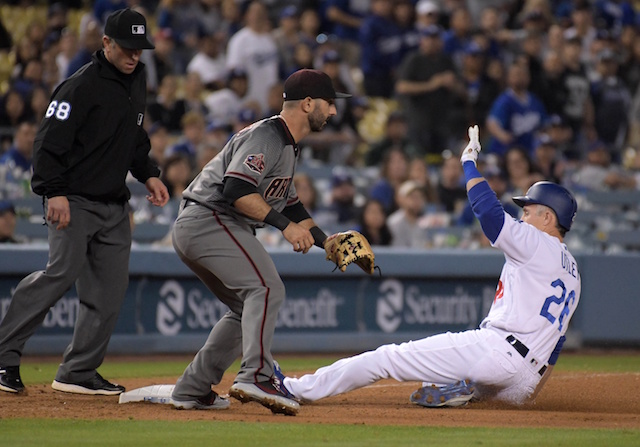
{"points": [[552, 303]]}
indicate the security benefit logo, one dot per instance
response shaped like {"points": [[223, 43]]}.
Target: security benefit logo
{"points": [[61, 317], [407, 306], [184, 309]]}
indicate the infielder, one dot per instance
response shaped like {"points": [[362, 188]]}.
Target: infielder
{"points": [[247, 185], [511, 354]]}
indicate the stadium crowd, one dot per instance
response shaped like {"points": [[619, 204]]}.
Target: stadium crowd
{"points": [[553, 84]]}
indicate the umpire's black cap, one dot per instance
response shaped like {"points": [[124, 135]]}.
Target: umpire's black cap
{"points": [[310, 83], [129, 29]]}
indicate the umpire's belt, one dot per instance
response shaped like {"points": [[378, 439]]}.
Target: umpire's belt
{"points": [[523, 351]]}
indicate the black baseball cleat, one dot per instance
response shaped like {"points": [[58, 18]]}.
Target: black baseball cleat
{"points": [[10, 380], [94, 386]]}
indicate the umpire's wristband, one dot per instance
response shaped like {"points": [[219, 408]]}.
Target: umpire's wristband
{"points": [[277, 220], [318, 236]]}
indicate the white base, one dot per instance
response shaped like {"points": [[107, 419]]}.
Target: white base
{"points": [[156, 394]]}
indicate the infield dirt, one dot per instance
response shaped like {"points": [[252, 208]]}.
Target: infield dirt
{"points": [[569, 399]]}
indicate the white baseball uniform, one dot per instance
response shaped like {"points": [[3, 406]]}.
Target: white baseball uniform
{"points": [[537, 294]]}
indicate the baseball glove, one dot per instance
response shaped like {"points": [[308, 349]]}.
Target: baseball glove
{"points": [[350, 247]]}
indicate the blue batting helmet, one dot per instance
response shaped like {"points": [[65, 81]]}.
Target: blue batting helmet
{"points": [[556, 197]]}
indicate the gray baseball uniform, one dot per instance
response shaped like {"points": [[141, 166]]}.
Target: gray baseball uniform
{"points": [[220, 246]]}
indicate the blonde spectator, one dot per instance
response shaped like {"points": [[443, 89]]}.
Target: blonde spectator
{"points": [[404, 223]]}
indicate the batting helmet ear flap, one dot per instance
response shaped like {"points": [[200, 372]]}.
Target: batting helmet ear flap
{"points": [[556, 197]]}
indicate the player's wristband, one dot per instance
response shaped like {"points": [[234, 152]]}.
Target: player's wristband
{"points": [[277, 220], [318, 236], [470, 170]]}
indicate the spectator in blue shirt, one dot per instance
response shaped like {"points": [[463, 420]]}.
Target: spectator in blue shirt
{"points": [[345, 18], [458, 37], [516, 114], [381, 42], [15, 164]]}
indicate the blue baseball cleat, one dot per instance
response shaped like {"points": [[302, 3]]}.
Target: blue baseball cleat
{"points": [[278, 379], [454, 395]]}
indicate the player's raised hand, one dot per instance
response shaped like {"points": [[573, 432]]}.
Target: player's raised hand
{"points": [[470, 153]]}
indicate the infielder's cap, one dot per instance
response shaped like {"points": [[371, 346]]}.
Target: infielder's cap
{"points": [[556, 197], [129, 29], [310, 83]]}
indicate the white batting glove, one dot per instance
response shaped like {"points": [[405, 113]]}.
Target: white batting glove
{"points": [[470, 153]]}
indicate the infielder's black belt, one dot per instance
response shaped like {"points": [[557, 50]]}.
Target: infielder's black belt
{"points": [[523, 350]]}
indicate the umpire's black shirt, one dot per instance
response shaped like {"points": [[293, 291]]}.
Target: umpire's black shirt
{"points": [[92, 135]]}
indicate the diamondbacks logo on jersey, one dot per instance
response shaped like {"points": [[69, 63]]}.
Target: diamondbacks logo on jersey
{"points": [[255, 162], [278, 188]]}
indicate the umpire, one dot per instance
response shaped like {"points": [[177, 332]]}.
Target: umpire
{"points": [[89, 139]]}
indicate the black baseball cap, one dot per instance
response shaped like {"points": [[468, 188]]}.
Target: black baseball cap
{"points": [[129, 29], [310, 83]]}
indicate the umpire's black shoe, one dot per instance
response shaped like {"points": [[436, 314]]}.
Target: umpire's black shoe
{"points": [[10, 380], [96, 385]]}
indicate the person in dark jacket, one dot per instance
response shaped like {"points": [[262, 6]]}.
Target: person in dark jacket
{"points": [[92, 135]]}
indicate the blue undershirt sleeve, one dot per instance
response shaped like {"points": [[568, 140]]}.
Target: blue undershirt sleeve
{"points": [[487, 209]]}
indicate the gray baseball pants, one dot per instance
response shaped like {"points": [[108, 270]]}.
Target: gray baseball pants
{"points": [[235, 267], [93, 251]]}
